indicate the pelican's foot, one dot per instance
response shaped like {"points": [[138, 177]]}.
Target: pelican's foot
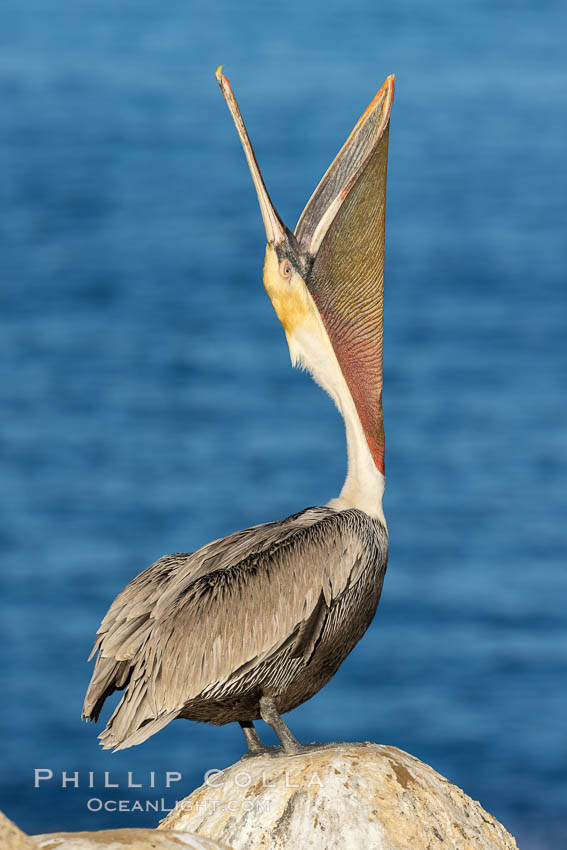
{"points": [[314, 745], [256, 746], [294, 748], [264, 750]]}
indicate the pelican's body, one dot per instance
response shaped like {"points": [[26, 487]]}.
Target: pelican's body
{"points": [[254, 624], [272, 610]]}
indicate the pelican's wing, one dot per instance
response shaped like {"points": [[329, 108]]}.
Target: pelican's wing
{"points": [[130, 620], [188, 628]]}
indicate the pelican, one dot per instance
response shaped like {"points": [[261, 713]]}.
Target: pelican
{"points": [[254, 624]]}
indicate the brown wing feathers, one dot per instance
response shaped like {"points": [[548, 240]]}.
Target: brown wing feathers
{"points": [[202, 634]]}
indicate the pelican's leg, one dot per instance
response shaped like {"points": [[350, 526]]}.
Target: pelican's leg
{"points": [[271, 716], [253, 740]]}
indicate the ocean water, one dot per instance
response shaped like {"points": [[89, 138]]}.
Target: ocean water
{"points": [[148, 405]]}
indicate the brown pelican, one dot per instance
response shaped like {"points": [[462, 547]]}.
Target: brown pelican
{"points": [[254, 624]]}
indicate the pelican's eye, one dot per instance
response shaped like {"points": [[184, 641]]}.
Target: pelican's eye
{"points": [[285, 269]]}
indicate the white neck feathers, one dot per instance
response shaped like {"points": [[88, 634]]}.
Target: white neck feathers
{"points": [[310, 348]]}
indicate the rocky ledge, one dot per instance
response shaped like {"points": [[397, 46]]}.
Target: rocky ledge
{"points": [[337, 797]]}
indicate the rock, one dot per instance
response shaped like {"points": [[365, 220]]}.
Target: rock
{"points": [[116, 839], [338, 797], [12, 838]]}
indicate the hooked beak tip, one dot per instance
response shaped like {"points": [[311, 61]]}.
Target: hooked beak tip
{"points": [[222, 80]]}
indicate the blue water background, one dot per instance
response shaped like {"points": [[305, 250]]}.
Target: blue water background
{"points": [[147, 402]]}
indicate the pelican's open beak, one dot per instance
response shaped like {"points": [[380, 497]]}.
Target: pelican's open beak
{"points": [[275, 230], [338, 247]]}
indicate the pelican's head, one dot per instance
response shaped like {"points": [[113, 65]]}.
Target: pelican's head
{"points": [[325, 281]]}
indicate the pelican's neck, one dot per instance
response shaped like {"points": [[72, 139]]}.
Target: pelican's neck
{"points": [[364, 484]]}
